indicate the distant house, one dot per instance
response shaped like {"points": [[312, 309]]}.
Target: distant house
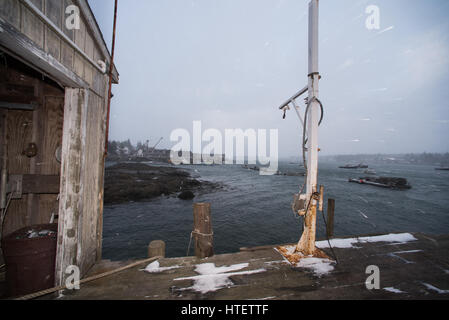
{"points": [[125, 151], [53, 114], [140, 153]]}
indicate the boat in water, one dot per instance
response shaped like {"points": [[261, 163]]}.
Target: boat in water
{"points": [[355, 166], [370, 171], [443, 169], [384, 182]]}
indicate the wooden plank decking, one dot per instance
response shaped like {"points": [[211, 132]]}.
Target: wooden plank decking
{"points": [[418, 269]]}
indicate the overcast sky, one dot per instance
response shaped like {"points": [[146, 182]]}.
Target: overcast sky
{"points": [[231, 63]]}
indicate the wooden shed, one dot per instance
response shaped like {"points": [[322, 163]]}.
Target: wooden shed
{"points": [[53, 116]]}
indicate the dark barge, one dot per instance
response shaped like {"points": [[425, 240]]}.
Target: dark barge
{"points": [[384, 182]]}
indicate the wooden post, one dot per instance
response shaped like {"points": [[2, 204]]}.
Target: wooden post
{"points": [[70, 220], [156, 249], [330, 218], [202, 231]]}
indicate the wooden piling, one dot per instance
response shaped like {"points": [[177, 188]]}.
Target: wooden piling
{"points": [[202, 232], [156, 249], [330, 218]]}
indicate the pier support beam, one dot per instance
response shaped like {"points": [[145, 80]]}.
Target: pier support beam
{"points": [[70, 241], [156, 248], [202, 232]]}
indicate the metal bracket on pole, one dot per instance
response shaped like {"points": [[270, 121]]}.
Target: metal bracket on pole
{"points": [[297, 112]]}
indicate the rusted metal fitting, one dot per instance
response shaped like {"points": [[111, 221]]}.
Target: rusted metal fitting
{"points": [[30, 151]]}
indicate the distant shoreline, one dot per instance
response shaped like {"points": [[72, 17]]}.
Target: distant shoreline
{"points": [[136, 182]]}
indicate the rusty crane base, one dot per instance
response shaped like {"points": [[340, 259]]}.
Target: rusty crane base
{"points": [[296, 256]]}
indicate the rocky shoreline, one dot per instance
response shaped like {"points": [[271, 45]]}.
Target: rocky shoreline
{"points": [[133, 182]]}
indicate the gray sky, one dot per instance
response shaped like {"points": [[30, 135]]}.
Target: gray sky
{"points": [[231, 63]]}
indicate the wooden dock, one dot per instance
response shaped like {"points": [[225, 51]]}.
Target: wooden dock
{"points": [[417, 269]]}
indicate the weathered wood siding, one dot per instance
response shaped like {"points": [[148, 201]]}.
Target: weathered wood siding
{"points": [[81, 199], [43, 126], [18, 14], [72, 57], [70, 203], [93, 181]]}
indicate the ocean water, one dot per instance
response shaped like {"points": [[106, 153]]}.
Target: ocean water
{"points": [[254, 210]]}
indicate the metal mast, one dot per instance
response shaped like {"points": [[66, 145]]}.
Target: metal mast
{"points": [[306, 204], [307, 243]]}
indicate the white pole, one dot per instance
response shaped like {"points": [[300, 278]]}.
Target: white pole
{"points": [[307, 243], [313, 119]]}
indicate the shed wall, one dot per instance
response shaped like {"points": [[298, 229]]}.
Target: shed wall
{"points": [[72, 54]]}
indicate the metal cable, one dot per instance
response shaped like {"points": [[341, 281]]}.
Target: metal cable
{"points": [[111, 70], [328, 241], [198, 233]]}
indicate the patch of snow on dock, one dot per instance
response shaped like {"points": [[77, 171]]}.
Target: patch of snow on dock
{"points": [[210, 268], [212, 278], [275, 262], [319, 266], [349, 243], [155, 267], [394, 290], [261, 299], [440, 291]]}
